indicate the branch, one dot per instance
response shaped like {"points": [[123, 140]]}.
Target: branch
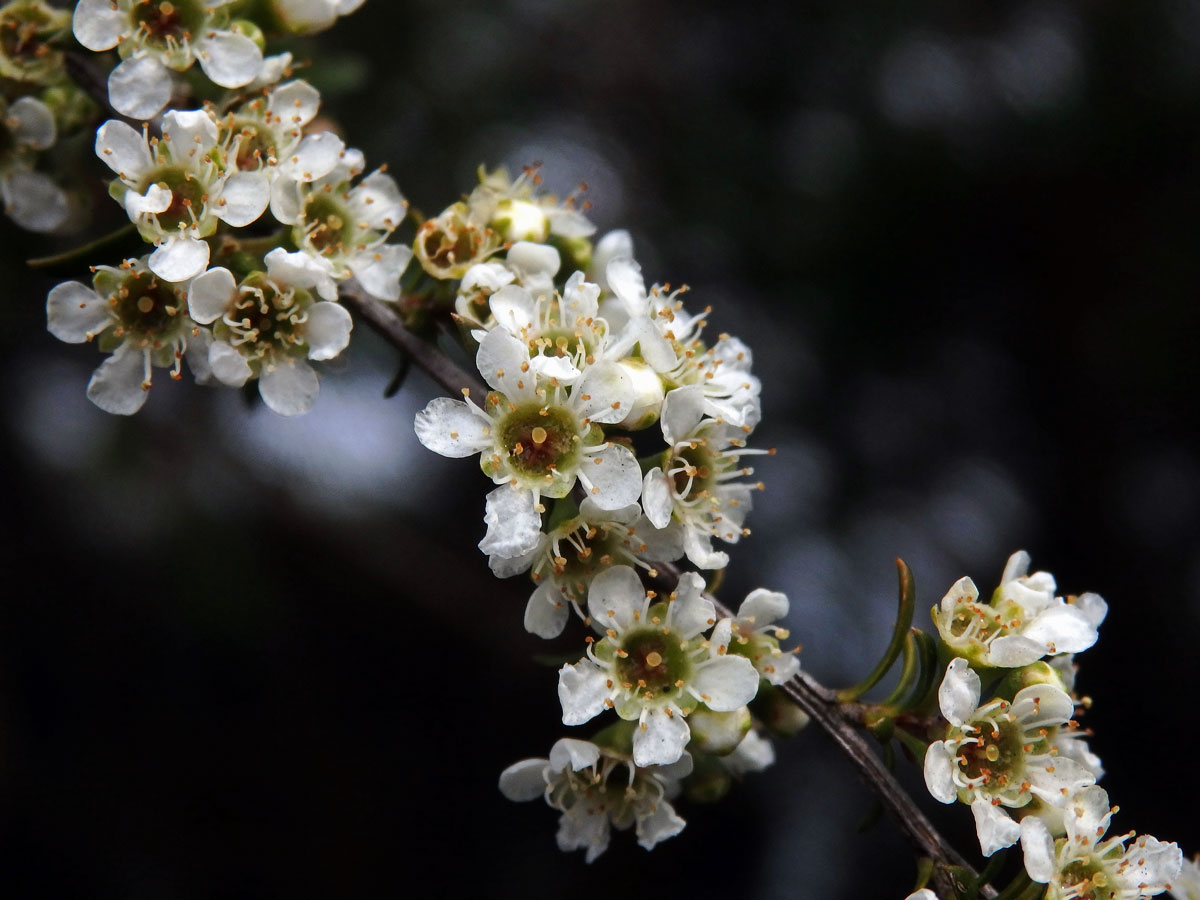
{"points": [[818, 701]]}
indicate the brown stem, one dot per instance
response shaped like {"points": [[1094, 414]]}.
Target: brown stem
{"points": [[819, 702]]}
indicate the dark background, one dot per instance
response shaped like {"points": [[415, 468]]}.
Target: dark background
{"points": [[243, 656]]}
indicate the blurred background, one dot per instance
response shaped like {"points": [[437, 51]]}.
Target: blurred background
{"points": [[247, 656]]}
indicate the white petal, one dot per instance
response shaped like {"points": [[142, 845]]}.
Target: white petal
{"points": [[615, 597], [454, 428], [499, 360], [524, 780], [210, 295], [1155, 864], [559, 368], [116, 387], [569, 223], [488, 277], [725, 682], [582, 690], [139, 87], [273, 68], [303, 270], [296, 103], [922, 894], [34, 201], [75, 313], [779, 669], [691, 612], [287, 205], [196, 354], [653, 346], [508, 566], [682, 411], [660, 823], [573, 754], [546, 612], [580, 300], [190, 133], [1087, 815], [327, 330], [529, 260], [289, 388], [156, 199], [98, 25], [1038, 848], [753, 754], [377, 202], [939, 773], [123, 149], [1061, 628], [609, 393], [379, 270], [512, 306], [659, 544], [228, 366], [1056, 787], [1016, 567], [614, 244], [179, 258], [1093, 607], [657, 499], [958, 696], [1040, 705], [963, 591], [698, 547], [659, 738], [305, 16], [580, 828], [995, 828], [229, 59], [513, 525], [763, 607], [1014, 650], [32, 123], [314, 157], [624, 277], [244, 197], [613, 477]]}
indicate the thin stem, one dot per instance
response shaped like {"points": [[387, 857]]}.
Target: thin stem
{"points": [[818, 701]]}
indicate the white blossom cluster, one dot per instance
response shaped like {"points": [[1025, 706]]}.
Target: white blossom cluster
{"points": [[1019, 760], [255, 217], [616, 436]]}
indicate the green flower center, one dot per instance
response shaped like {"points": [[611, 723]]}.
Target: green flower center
{"points": [[168, 23], [655, 662], [1089, 879], [694, 471], [255, 145], [539, 439], [327, 225], [265, 321], [147, 307], [997, 757], [24, 29], [188, 196]]}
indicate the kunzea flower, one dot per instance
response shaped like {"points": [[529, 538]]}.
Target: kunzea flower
{"points": [[757, 637], [1084, 865], [525, 265], [139, 318], [32, 199], [28, 52], [515, 211], [155, 36], [565, 559], [596, 790], [175, 189], [347, 225], [1001, 755], [311, 16], [614, 244], [1023, 622], [1187, 885], [536, 431], [654, 665], [265, 134], [694, 484], [268, 325]]}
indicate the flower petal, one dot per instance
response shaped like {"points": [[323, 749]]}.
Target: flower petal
{"points": [[546, 612], [582, 690], [31, 122], [995, 828], [605, 394], [660, 823], [327, 330], [657, 499], [573, 754], [34, 201], [456, 429], [512, 306], [123, 149], [612, 477], [1038, 848], [75, 313], [660, 737], [139, 87], [499, 360], [314, 157], [157, 199], [682, 411], [228, 58], [514, 527], [524, 780], [958, 696], [228, 366], [289, 387], [210, 295], [295, 103], [939, 773], [379, 270], [99, 24], [763, 607], [1040, 705], [377, 202], [190, 133], [117, 385], [690, 611], [179, 258], [725, 682], [617, 599], [244, 197]]}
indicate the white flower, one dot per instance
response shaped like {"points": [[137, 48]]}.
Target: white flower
{"points": [[922, 894], [1084, 866], [695, 483], [269, 325], [138, 318], [564, 560], [1001, 754], [756, 637], [539, 428], [346, 226], [517, 212], [753, 754], [175, 190], [31, 199], [29, 52], [1023, 622], [578, 781], [311, 16], [1187, 885], [653, 665], [154, 36]]}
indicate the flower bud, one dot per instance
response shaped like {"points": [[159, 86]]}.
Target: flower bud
{"points": [[717, 732], [648, 394], [520, 220]]}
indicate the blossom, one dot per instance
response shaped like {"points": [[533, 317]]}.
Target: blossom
{"points": [[1023, 622], [653, 665], [140, 319], [268, 325], [175, 189], [311, 16], [31, 199], [695, 482], [756, 637], [753, 754], [578, 780], [155, 36], [1001, 754], [1084, 865], [539, 428], [1187, 885], [28, 52]]}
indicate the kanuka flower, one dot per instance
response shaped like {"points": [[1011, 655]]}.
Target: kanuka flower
{"points": [[155, 36], [32, 199], [347, 224], [140, 319], [175, 189], [596, 790], [1023, 622], [268, 325], [695, 482], [28, 51], [1084, 865], [516, 211], [757, 637], [536, 432], [1001, 755], [654, 666], [311, 16], [1187, 885], [565, 559]]}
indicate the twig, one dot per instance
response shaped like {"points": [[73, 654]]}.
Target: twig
{"points": [[818, 701]]}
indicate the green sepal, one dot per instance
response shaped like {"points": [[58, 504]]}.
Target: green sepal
{"points": [[562, 511], [617, 737]]}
